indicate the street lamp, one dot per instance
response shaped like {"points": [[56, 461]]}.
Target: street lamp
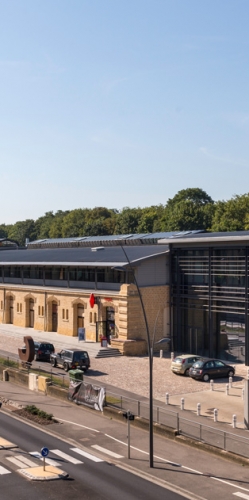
{"points": [[150, 353]]}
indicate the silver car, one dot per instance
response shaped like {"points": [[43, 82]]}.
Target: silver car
{"points": [[181, 364]]}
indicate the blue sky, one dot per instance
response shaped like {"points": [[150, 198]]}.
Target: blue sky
{"points": [[121, 103]]}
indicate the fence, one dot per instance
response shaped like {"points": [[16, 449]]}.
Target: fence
{"points": [[227, 441]]}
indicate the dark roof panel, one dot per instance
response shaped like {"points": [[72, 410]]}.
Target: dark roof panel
{"points": [[81, 255]]}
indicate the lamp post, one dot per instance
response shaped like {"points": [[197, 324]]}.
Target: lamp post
{"points": [[150, 353]]}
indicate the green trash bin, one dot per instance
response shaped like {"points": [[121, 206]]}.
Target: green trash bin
{"points": [[75, 375]]}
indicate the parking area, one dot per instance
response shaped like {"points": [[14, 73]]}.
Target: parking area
{"points": [[128, 373]]}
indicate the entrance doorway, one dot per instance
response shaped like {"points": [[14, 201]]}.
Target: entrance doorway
{"points": [[11, 310], [110, 323], [195, 341], [80, 316], [31, 313], [54, 317]]}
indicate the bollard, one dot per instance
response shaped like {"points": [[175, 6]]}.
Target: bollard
{"points": [[198, 409], [215, 415], [243, 393], [230, 382], [161, 353], [172, 356], [211, 385], [182, 403], [234, 421], [227, 389], [167, 398]]}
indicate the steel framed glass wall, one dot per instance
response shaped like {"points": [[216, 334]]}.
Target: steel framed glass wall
{"points": [[210, 301]]}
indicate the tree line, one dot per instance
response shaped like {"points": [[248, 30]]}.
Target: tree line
{"points": [[189, 209]]}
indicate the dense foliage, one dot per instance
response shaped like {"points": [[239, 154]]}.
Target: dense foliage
{"points": [[189, 209]]}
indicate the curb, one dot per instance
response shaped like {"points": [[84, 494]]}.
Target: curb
{"points": [[38, 474]]}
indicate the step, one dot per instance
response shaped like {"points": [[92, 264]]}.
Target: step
{"points": [[108, 353]]}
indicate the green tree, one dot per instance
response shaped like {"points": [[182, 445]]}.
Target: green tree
{"points": [[128, 221], [22, 230], [190, 209], [43, 225], [232, 215], [4, 231]]}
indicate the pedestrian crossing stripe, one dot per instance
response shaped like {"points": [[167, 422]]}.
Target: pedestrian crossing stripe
{"points": [[108, 452], [21, 461], [86, 454], [241, 495], [67, 457], [49, 461], [4, 471]]}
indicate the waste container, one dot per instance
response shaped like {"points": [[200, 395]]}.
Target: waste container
{"points": [[104, 342], [75, 375]]}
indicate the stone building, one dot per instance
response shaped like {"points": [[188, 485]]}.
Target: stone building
{"points": [[94, 286]]}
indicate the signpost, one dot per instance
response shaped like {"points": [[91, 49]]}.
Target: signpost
{"points": [[129, 416], [44, 453]]}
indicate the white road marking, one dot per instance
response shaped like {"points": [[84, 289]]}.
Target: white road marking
{"points": [[66, 457], [49, 461], [241, 495], [230, 484], [79, 425], [146, 453], [108, 452], [87, 455], [21, 461], [4, 471]]}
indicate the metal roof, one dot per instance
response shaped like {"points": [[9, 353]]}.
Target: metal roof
{"points": [[86, 256], [226, 237], [107, 240]]}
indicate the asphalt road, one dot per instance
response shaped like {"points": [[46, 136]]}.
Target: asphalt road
{"points": [[87, 479]]}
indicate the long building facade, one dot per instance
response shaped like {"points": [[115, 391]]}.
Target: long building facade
{"points": [[76, 286], [193, 287]]}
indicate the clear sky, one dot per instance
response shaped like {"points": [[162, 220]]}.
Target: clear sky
{"points": [[121, 103]]}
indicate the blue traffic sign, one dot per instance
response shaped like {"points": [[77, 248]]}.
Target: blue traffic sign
{"points": [[44, 452]]}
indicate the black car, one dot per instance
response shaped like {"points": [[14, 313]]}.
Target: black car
{"points": [[207, 369], [42, 350], [69, 359]]}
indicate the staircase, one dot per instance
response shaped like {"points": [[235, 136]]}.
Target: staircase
{"points": [[108, 352]]}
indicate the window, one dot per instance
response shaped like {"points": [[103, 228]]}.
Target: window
{"points": [[67, 314], [1, 305], [12, 272], [95, 317], [63, 313], [20, 307], [55, 273], [17, 307], [91, 317]]}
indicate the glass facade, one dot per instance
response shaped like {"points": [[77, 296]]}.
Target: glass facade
{"points": [[210, 302], [58, 273]]}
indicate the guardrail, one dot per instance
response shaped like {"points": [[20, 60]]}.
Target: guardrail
{"points": [[213, 436]]}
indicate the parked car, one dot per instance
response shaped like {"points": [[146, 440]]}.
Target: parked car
{"points": [[42, 350], [69, 359], [206, 369], [182, 364]]}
